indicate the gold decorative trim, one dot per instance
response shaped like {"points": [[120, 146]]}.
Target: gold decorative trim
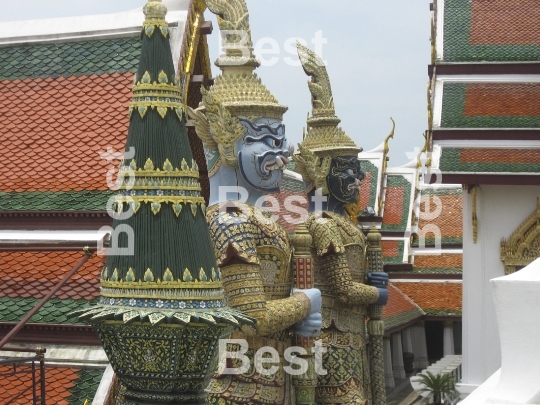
{"points": [[385, 163], [433, 41], [161, 285], [156, 201], [474, 216], [190, 46], [523, 246], [161, 95]]}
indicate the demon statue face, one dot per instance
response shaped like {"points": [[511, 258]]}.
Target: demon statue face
{"points": [[263, 153], [344, 178]]}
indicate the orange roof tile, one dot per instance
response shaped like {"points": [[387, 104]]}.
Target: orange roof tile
{"points": [[390, 248], [400, 309], [291, 206], [393, 207], [397, 302], [503, 22], [365, 191], [445, 212], [58, 384], [34, 274], [502, 99], [442, 261], [54, 129], [434, 298], [477, 155]]}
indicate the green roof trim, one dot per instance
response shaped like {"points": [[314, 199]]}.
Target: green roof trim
{"points": [[70, 59], [454, 95], [399, 181], [450, 161], [54, 200], [293, 185], [442, 312], [450, 240], [54, 311], [403, 318], [86, 386], [395, 259], [456, 48], [440, 270], [432, 192], [368, 167]]}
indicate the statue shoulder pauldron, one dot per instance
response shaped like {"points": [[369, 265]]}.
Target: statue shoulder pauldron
{"points": [[350, 233], [325, 233], [233, 233]]}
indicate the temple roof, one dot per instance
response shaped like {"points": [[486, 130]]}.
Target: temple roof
{"points": [[488, 31], [435, 298], [64, 385], [445, 263], [400, 309], [29, 276], [485, 92], [444, 212], [58, 116]]}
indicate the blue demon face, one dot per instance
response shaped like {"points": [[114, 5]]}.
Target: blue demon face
{"points": [[263, 153]]}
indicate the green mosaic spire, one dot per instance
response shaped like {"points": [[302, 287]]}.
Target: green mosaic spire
{"points": [[162, 310], [160, 191]]}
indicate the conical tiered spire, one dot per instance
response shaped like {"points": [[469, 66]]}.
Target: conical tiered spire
{"points": [[163, 270], [160, 182]]}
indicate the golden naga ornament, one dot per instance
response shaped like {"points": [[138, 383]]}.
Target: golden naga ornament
{"points": [[523, 246], [324, 139]]}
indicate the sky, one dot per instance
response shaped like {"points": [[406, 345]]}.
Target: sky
{"points": [[377, 54]]}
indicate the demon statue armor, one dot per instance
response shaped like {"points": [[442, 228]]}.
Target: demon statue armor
{"points": [[240, 124], [327, 160]]}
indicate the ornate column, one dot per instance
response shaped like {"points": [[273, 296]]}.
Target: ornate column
{"points": [[388, 372], [377, 353], [448, 338], [304, 384], [397, 357]]}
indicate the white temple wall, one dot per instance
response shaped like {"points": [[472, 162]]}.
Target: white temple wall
{"points": [[500, 210]]}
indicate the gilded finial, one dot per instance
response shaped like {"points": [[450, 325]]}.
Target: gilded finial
{"points": [[154, 9], [390, 136]]}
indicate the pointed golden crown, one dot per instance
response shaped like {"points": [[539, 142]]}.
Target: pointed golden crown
{"points": [[324, 137], [237, 92], [238, 88]]}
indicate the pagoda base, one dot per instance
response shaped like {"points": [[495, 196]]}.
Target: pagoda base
{"points": [[133, 397], [162, 364]]}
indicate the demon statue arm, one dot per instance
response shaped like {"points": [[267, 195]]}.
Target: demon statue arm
{"points": [[330, 245], [236, 234]]}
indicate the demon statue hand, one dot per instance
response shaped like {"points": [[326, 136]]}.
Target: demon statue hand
{"points": [[240, 124], [327, 160]]}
